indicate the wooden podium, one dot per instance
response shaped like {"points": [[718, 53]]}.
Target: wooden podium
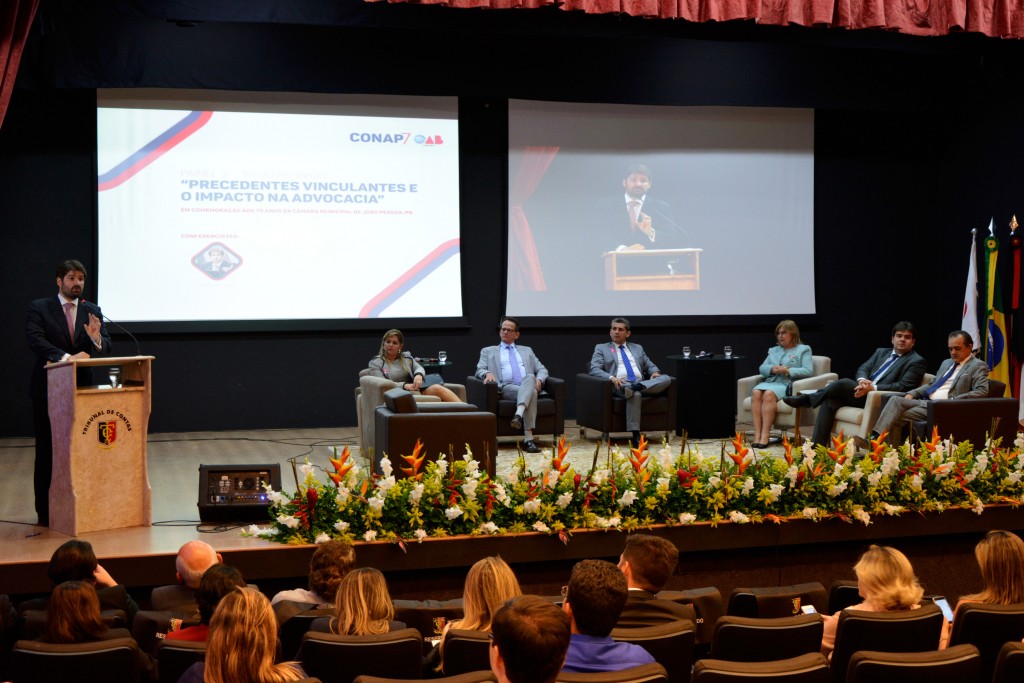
{"points": [[100, 478], [687, 275]]}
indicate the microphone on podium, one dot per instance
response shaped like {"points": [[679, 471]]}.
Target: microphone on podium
{"points": [[95, 310]]}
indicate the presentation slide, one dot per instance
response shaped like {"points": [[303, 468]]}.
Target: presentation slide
{"points": [[284, 206], [644, 210]]}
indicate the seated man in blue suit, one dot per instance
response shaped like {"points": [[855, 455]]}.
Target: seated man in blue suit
{"points": [[630, 370], [520, 376]]}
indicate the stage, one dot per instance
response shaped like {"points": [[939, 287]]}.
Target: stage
{"points": [[726, 556]]}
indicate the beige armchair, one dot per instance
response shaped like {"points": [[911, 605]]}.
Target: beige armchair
{"points": [[370, 396], [854, 421], [787, 417]]}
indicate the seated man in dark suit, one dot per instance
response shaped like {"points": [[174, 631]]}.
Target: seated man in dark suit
{"points": [[193, 559], [899, 368], [648, 562]]}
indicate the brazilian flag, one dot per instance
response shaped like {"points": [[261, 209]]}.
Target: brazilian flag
{"points": [[996, 352]]}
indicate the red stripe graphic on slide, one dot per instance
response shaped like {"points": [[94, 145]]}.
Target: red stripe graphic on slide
{"points": [[154, 149], [393, 292]]}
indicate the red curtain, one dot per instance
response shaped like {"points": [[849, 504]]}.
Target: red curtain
{"points": [[997, 18], [523, 263], [15, 20]]}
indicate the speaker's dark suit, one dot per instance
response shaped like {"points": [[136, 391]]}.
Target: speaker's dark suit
{"points": [[49, 339], [903, 375]]}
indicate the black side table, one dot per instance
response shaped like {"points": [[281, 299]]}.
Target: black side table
{"points": [[430, 363], [707, 396]]}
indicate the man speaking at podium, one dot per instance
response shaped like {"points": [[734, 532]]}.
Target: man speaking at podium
{"points": [[59, 327]]}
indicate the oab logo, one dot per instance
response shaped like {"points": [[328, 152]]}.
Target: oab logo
{"points": [[396, 138]]}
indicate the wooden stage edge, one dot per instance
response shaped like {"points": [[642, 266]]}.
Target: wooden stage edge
{"points": [[729, 555]]}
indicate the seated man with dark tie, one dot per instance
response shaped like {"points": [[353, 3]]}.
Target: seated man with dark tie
{"points": [[630, 370], [899, 368], [520, 376], [960, 376], [648, 562]]}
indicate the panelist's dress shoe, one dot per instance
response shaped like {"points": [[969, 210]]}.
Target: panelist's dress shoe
{"points": [[517, 422], [798, 401], [530, 447]]}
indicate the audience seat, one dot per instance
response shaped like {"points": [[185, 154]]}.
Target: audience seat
{"points": [[292, 630], [173, 657], [747, 639], [471, 677], [842, 594], [1009, 664], [33, 621], [597, 408], [466, 651], [776, 601], [648, 673], [854, 421], [809, 668], [916, 630], [987, 627], [550, 406], [671, 644], [443, 428], [787, 416], [428, 616], [959, 664], [97, 662], [149, 627], [339, 659], [707, 602]]}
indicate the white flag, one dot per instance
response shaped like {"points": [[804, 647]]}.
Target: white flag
{"points": [[969, 323]]}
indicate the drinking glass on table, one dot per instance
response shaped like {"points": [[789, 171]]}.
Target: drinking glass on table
{"points": [[442, 356], [728, 352], [686, 352], [114, 375]]}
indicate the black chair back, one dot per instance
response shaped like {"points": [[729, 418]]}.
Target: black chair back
{"points": [[959, 664], [466, 651], [339, 659], [1009, 664], [428, 616], [914, 630], [175, 656], [96, 662], [842, 594], [647, 673], [471, 677], [809, 668], [987, 627], [670, 644], [776, 601], [295, 627], [744, 639]]}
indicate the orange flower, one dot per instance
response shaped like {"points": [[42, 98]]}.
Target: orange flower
{"points": [[739, 457], [789, 449], [637, 457], [838, 448], [415, 462], [932, 444], [737, 442], [340, 468], [878, 447], [557, 463]]}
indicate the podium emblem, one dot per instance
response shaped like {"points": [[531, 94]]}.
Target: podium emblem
{"points": [[107, 433]]}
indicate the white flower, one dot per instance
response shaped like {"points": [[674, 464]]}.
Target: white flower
{"points": [[687, 518], [748, 486], [442, 466], [915, 482], [564, 500], [453, 512], [666, 458], [342, 498], [541, 527], [501, 495], [714, 481], [599, 477], [288, 521], [837, 470], [321, 537], [627, 498], [376, 503], [600, 522], [531, 506], [874, 478], [774, 491], [738, 517], [370, 535], [890, 463], [861, 515], [276, 497], [856, 475], [552, 477], [1013, 477], [809, 513], [892, 510], [305, 468], [488, 528], [341, 527], [942, 470], [469, 487], [808, 450], [792, 473], [663, 483], [1018, 443], [385, 483], [253, 530], [472, 467], [385, 466], [419, 534], [614, 521], [416, 494], [979, 507], [837, 489]]}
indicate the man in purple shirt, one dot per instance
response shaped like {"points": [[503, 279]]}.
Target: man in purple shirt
{"points": [[594, 600]]}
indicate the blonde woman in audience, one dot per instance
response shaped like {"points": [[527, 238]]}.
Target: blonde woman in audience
{"points": [[242, 644], [887, 583], [489, 584], [362, 606], [1000, 558]]}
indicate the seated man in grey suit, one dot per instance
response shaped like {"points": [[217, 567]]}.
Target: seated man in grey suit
{"points": [[520, 376], [899, 368], [960, 376], [648, 562], [627, 366]]}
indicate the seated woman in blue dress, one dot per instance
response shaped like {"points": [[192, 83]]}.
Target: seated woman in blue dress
{"points": [[787, 361], [399, 366]]}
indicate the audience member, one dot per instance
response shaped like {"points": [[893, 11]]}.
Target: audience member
{"points": [[73, 616], [786, 361], [648, 562], [489, 584], [330, 563], [242, 644], [362, 606], [519, 374], [392, 363], [530, 637], [193, 559], [1000, 558], [76, 561], [632, 374], [594, 600], [886, 581], [217, 581]]}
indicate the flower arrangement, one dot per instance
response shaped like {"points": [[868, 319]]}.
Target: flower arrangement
{"points": [[452, 496]]}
